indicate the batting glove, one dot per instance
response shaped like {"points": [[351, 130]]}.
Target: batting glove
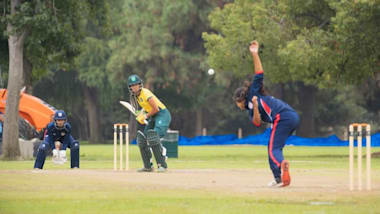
{"points": [[141, 118]]}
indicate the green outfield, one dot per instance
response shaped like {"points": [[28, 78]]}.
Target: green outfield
{"points": [[204, 179]]}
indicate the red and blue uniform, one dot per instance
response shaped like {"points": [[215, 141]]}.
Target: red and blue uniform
{"points": [[284, 120]]}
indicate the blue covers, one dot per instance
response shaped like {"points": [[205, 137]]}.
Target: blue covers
{"points": [[262, 139]]}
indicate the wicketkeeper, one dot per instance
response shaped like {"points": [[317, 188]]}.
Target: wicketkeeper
{"points": [[58, 138], [158, 117]]}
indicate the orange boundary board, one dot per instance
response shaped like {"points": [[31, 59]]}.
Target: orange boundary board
{"points": [[32, 109]]}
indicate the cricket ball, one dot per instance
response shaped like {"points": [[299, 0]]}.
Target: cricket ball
{"points": [[211, 71]]}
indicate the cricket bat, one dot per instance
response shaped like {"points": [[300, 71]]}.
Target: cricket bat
{"points": [[131, 109]]}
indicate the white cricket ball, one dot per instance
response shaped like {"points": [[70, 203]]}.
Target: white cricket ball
{"points": [[211, 71]]}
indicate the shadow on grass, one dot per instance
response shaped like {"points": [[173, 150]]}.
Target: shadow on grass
{"points": [[373, 155], [376, 155], [317, 156]]}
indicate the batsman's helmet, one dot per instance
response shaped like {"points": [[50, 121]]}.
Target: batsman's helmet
{"points": [[134, 80], [60, 115]]}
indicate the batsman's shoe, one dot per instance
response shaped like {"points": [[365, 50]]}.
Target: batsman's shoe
{"points": [[161, 169], [145, 170], [285, 176]]}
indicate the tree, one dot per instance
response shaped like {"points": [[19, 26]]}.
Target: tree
{"points": [[16, 44], [47, 30], [356, 34], [341, 34], [161, 42], [275, 24], [91, 66]]}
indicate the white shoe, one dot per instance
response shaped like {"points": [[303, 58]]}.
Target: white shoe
{"points": [[274, 184], [37, 170]]}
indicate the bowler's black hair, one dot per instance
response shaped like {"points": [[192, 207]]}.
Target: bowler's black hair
{"points": [[241, 93]]}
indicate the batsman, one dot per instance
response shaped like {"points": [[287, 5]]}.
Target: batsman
{"points": [[158, 117]]}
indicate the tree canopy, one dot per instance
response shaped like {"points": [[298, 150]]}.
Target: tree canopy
{"points": [[322, 57]]}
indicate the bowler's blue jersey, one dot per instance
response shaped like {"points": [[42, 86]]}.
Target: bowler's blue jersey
{"points": [[269, 106]]}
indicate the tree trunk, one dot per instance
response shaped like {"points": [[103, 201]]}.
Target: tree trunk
{"points": [[1, 78], [149, 84], [83, 132], [198, 122], [11, 130], [278, 91], [306, 95], [27, 74], [377, 79], [93, 115]]}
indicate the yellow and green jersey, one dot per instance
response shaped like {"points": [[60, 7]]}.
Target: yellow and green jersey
{"points": [[143, 98]]}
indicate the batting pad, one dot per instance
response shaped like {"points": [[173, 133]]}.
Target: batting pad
{"points": [[146, 154], [154, 142]]}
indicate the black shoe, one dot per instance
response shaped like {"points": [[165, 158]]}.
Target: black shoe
{"points": [[145, 170]]}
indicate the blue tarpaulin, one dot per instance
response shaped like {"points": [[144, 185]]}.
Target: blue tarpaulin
{"points": [[262, 139]]}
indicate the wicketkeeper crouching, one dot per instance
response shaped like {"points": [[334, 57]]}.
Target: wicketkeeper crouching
{"points": [[58, 138]]}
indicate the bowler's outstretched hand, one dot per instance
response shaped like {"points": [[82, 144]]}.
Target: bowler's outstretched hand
{"points": [[254, 47]]}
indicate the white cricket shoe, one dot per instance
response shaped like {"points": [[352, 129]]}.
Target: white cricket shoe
{"points": [[37, 170], [274, 184]]}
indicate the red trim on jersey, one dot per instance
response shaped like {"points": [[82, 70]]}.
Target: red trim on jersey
{"points": [[45, 133], [271, 140], [259, 72], [267, 109]]}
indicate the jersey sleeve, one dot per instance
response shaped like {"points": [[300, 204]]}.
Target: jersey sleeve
{"points": [[66, 139], [49, 134], [257, 83], [251, 115], [148, 94]]}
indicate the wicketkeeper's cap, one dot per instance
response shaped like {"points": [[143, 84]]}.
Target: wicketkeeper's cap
{"points": [[60, 115]]}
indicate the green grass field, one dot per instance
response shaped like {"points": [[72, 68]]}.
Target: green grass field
{"points": [[204, 179]]}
